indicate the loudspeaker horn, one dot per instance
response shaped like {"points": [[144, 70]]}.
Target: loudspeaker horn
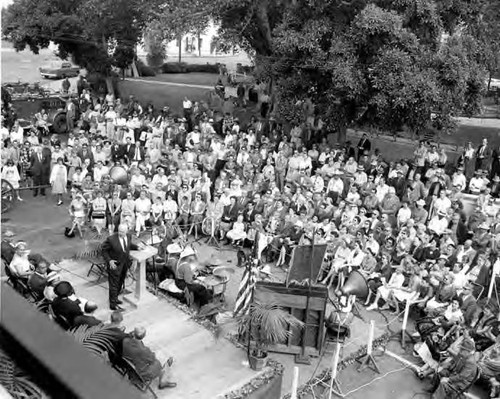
{"points": [[118, 175], [355, 285]]}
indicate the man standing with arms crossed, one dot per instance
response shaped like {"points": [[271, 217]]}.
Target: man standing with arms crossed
{"points": [[116, 252]]}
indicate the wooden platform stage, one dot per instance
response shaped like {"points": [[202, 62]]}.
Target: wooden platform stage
{"points": [[203, 368]]}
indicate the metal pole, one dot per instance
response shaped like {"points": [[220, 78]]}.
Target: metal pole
{"points": [[335, 363]]}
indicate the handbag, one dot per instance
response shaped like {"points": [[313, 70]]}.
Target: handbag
{"points": [[68, 232]]}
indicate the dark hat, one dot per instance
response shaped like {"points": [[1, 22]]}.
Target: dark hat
{"points": [[63, 289]]}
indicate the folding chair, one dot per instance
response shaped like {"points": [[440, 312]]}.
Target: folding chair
{"points": [[97, 267], [59, 319], [127, 368]]}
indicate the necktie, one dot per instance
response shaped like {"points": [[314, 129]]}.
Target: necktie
{"points": [[124, 244]]}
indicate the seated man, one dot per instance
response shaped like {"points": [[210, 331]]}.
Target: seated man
{"points": [[72, 308], [186, 278], [145, 361], [38, 281], [458, 375], [119, 334]]}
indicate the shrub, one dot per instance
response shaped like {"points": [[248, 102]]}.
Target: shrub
{"points": [[175, 67], [206, 68], [144, 70]]}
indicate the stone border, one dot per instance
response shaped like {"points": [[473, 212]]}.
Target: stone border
{"points": [[305, 389], [272, 369]]}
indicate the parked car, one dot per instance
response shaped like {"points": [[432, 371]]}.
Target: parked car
{"points": [[59, 70]]}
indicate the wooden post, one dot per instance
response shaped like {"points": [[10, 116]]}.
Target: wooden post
{"points": [[334, 384], [405, 322], [302, 357], [494, 274], [368, 359], [295, 383]]}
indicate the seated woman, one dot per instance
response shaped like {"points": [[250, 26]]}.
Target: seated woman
{"points": [[384, 291], [99, 212], [407, 293], [237, 233], [229, 216], [156, 218], [487, 329], [452, 315], [443, 295], [20, 265], [383, 272], [197, 210]]}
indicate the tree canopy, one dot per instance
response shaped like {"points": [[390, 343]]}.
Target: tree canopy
{"points": [[388, 63], [97, 34]]}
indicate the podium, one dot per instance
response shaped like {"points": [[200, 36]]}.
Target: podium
{"points": [[141, 295]]}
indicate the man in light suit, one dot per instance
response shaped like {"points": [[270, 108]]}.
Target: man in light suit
{"points": [[116, 252]]}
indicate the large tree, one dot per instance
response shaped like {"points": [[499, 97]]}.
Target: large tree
{"points": [[96, 34], [176, 18], [387, 63]]}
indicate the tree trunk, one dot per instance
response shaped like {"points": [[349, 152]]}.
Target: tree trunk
{"points": [[180, 48], [342, 134], [199, 45], [489, 81], [109, 85]]}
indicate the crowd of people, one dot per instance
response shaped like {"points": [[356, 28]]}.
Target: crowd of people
{"points": [[262, 184]]}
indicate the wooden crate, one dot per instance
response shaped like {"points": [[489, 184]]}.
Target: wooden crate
{"points": [[293, 299]]}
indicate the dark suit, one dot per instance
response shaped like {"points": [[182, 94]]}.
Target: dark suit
{"points": [[129, 151], [143, 358], [469, 307], [363, 145], [40, 170], [483, 155], [230, 213], [117, 153], [37, 284], [86, 154], [71, 311], [112, 250]]}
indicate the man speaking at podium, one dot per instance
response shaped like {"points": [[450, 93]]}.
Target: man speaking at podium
{"points": [[116, 252]]}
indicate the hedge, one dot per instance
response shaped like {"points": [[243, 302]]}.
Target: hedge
{"points": [[183, 67], [144, 70]]}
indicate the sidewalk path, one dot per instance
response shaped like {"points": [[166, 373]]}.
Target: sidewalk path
{"points": [[158, 82]]}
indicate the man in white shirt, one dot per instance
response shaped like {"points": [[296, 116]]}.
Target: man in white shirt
{"points": [[317, 183], [443, 203], [459, 180], [335, 187], [160, 177], [99, 171], [439, 223], [17, 133]]}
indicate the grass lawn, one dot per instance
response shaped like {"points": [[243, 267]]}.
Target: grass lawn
{"points": [[160, 95], [202, 79], [475, 134]]}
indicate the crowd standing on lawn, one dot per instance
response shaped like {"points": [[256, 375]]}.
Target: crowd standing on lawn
{"points": [[262, 184]]}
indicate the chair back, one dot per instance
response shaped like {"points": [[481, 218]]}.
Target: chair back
{"points": [[59, 319]]}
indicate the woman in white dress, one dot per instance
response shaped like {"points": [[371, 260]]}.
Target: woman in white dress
{"points": [[237, 232], [383, 292], [59, 180], [170, 209], [99, 212], [142, 212], [11, 174], [128, 211]]}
